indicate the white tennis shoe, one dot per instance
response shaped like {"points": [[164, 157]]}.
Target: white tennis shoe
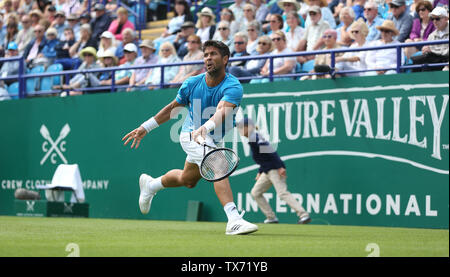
{"points": [[146, 196], [240, 227]]}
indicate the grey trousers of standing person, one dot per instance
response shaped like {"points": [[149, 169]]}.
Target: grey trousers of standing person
{"points": [[264, 182]]}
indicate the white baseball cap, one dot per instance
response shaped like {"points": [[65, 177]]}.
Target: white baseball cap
{"points": [[130, 47], [107, 34], [439, 11]]}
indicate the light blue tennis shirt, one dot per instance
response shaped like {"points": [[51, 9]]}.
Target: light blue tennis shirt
{"points": [[202, 102]]}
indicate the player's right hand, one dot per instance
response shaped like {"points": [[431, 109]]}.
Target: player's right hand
{"points": [[136, 135]]}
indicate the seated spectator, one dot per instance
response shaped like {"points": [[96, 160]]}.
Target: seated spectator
{"points": [[253, 32], [72, 21], [122, 77], [290, 6], [120, 24], [35, 16], [49, 50], [355, 60], [261, 10], [253, 67], [273, 9], [12, 67], [437, 53], [422, 27], [49, 13], [59, 23], [227, 15], [11, 35], [347, 17], [167, 55], [401, 18], [326, 13], [63, 56], [148, 57], [224, 34], [182, 14], [129, 36], [206, 24], [181, 39], [107, 42], [25, 35], [194, 54], [373, 20], [322, 62], [35, 46], [383, 58], [285, 65], [295, 33], [107, 59], [249, 16], [71, 7], [85, 40], [240, 49], [275, 23], [101, 22], [238, 8], [85, 18], [312, 39], [82, 80]]}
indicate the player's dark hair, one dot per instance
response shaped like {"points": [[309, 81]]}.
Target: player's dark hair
{"points": [[222, 47]]}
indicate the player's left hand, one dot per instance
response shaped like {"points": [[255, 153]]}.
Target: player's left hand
{"points": [[136, 135], [197, 133], [282, 172]]}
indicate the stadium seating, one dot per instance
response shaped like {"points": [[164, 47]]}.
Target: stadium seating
{"points": [[48, 82], [32, 84], [13, 90]]}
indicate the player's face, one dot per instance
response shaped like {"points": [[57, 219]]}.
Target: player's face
{"points": [[214, 62]]}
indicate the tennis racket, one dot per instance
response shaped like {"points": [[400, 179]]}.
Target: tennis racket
{"points": [[218, 163]]}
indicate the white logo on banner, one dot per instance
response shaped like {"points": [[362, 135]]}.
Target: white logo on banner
{"points": [[30, 206], [56, 146]]}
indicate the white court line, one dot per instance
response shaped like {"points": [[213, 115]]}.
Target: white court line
{"points": [[346, 153], [345, 90]]}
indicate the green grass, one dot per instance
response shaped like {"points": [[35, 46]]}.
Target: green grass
{"points": [[43, 237]]}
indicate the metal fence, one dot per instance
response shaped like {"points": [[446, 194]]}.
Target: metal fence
{"points": [[22, 76]]}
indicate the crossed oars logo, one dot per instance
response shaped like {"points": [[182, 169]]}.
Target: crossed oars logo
{"points": [[54, 144]]}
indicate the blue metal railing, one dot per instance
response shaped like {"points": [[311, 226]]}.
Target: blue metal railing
{"points": [[22, 76]]}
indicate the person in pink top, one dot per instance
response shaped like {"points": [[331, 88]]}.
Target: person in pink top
{"points": [[120, 24]]}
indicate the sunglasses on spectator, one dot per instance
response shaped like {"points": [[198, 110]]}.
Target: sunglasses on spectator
{"points": [[222, 28], [392, 6], [327, 36], [368, 9], [422, 9], [239, 42], [88, 55], [385, 31], [435, 18], [38, 31], [355, 32], [165, 50], [276, 39], [273, 21], [250, 30], [225, 13], [248, 10], [262, 43]]}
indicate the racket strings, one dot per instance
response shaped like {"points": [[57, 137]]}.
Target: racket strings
{"points": [[219, 164]]}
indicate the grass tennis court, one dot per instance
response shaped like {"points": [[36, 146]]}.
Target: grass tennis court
{"points": [[43, 237]]}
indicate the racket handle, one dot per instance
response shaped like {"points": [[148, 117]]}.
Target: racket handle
{"points": [[201, 140]]}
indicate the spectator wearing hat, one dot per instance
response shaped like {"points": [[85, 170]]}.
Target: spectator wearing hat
{"points": [[74, 24], [373, 20], [107, 59], [63, 56], [166, 55], [26, 34], [120, 24], [49, 50], [59, 24], [194, 53], [181, 39], [438, 53], [148, 57], [261, 10], [313, 33], [102, 20], [11, 67], [326, 13], [206, 24], [36, 45], [71, 7], [383, 58], [35, 16], [129, 36], [122, 77], [107, 42], [81, 80], [289, 6], [86, 40], [401, 18]]}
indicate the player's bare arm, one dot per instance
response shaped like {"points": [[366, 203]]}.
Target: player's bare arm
{"points": [[223, 110], [139, 133]]}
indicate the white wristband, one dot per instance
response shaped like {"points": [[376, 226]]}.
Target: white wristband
{"points": [[150, 124], [209, 125]]}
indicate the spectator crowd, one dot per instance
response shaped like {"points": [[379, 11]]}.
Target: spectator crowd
{"points": [[63, 32]]}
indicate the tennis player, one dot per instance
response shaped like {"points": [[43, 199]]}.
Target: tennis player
{"points": [[272, 171], [215, 93]]}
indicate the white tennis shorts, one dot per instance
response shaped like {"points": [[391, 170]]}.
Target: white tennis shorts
{"points": [[193, 150]]}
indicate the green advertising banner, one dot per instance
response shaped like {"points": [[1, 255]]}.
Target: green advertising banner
{"points": [[358, 151]]}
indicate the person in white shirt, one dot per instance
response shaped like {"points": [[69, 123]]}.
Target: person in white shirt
{"points": [[206, 24], [295, 33]]}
